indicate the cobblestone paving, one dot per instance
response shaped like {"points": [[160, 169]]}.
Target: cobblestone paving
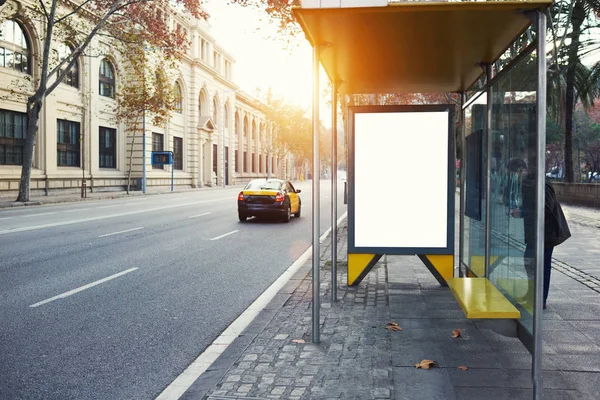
{"points": [[355, 346], [359, 359]]}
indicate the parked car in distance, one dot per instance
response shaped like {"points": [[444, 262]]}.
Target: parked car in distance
{"points": [[269, 197], [555, 173]]}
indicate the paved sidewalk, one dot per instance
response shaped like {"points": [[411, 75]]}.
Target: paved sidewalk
{"points": [[37, 200], [359, 359]]}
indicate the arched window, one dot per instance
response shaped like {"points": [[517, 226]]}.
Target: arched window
{"points": [[245, 126], [72, 76], [226, 117], [253, 130], [215, 113], [237, 123], [107, 79], [203, 104], [15, 51], [177, 98]]}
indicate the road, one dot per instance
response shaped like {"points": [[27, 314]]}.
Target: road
{"points": [[115, 298]]}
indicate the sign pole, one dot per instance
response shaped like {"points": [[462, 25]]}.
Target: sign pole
{"points": [[172, 172]]}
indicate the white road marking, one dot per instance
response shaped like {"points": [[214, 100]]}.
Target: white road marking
{"points": [[78, 221], [38, 215], [199, 215], [1, 219], [114, 205], [178, 387], [125, 231], [227, 234], [82, 288], [77, 209]]}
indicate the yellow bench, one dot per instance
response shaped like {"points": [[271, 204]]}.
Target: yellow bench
{"points": [[480, 299]]}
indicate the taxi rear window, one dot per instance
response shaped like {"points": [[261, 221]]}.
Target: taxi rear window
{"points": [[263, 185]]}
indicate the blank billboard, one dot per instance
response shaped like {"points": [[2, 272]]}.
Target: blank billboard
{"points": [[401, 181]]}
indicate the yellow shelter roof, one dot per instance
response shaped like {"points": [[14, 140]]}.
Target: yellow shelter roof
{"points": [[415, 46]]}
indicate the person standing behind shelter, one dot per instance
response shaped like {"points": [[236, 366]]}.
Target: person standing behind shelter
{"points": [[556, 229]]}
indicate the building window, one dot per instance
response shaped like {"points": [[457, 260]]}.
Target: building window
{"points": [[253, 130], [215, 113], [13, 131], [215, 158], [253, 162], [178, 153], [72, 76], [67, 143], [245, 126], [226, 117], [108, 148], [158, 144], [107, 79], [260, 163], [237, 168], [177, 98], [237, 123], [14, 47], [245, 162]]}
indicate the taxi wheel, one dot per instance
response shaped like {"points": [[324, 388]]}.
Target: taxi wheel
{"points": [[288, 214], [242, 216], [297, 214]]}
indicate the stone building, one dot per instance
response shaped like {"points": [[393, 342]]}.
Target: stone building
{"points": [[218, 134]]}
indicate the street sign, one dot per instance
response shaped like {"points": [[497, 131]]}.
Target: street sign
{"points": [[162, 158]]}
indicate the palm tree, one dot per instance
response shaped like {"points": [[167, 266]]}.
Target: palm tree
{"points": [[569, 79]]}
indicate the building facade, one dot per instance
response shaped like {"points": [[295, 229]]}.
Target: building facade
{"points": [[218, 134]]}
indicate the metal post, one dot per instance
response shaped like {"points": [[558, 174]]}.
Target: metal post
{"points": [[541, 177], [316, 223], [488, 168], [334, 165], [172, 172], [144, 152], [463, 182]]}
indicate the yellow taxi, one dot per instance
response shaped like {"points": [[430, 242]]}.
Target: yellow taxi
{"points": [[269, 197]]}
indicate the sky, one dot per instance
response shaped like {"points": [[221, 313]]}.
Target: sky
{"points": [[262, 62]]}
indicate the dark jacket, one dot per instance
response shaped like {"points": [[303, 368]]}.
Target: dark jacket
{"points": [[556, 228]]}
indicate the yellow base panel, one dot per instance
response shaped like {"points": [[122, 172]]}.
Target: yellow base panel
{"points": [[444, 265], [480, 299], [478, 264], [358, 265]]}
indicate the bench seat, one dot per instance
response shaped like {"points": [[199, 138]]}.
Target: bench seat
{"points": [[480, 299]]}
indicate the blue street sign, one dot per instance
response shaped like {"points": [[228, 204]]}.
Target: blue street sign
{"points": [[162, 158]]}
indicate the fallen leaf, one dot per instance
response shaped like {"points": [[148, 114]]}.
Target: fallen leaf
{"points": [[456, 333], [298, 341], [463, 368], [426, 364], [393, 326]]}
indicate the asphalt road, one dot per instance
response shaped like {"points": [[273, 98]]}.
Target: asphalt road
{"points": [[115, 298]]}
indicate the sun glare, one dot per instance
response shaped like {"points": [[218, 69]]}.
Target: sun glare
{"points": [[263, 60]]}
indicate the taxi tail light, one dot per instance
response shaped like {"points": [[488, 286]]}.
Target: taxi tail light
{"points": [[279, 197], [241, 196]]}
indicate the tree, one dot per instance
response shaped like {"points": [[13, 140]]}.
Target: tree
{"points": [[118, 20], [147, 90], [587, 142], [569, 79]]}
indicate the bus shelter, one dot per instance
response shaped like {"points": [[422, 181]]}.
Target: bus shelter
{"points": [[487, 149]]}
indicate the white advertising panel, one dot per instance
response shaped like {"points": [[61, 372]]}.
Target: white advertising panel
{"points": [[401, 179]]}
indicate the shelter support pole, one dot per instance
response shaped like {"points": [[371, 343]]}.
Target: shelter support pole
{"points": [[463, 185], [334, 167], [536, 369], [488, 168], [316, 200]]}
